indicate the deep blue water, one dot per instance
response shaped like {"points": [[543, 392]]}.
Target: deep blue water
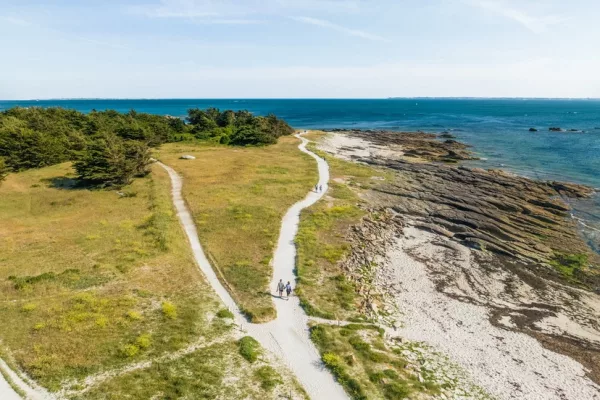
{"points": [[496, 128]]}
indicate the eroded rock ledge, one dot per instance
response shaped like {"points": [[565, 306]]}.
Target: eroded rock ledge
{"points": [[491, 210], [529, 266]]}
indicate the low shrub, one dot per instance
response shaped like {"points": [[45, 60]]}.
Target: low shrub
{"points": [[130, 350], [144, 341], [169, 310], [134, 315], [224, 313], [268, 377], [28, 307], [249, 348]]}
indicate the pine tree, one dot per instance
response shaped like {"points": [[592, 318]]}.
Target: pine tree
{"points": [[112, 161]]}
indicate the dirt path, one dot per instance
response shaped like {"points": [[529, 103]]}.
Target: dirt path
{"points": [[31, 391], [288, 335]]}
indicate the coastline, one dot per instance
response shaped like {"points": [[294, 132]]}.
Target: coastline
{"points": [[486, 309]]}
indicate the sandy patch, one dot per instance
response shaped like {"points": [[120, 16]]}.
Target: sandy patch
{"points": [[507, 364], [349, 148]]}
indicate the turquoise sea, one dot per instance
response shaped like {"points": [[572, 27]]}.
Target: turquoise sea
{"points": [[498, 129]]}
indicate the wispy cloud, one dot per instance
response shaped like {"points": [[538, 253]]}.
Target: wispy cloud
{"points": [[200, 11], [339, 28], [240, 12], [536, 24], [14, 20]]}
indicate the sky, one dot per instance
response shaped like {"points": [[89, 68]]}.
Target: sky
{"points": [[299, 48]]}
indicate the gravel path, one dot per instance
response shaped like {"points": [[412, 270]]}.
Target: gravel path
{"points": [[288, 335], [8, 393]]}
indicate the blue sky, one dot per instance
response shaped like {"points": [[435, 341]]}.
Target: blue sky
{"points": [[299, 48]]}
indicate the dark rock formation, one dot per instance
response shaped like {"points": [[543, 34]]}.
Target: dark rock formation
{"points": [[446, 135], [555, 129], [492, 210], [533, 130]]}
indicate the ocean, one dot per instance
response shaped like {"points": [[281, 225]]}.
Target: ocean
{"points": [[498, 130]]}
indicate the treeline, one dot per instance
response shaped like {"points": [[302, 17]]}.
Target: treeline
{"points": [[239, 128], [111, 148]]}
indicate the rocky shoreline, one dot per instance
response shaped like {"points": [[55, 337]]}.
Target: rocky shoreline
{"points": [[491, 240]]}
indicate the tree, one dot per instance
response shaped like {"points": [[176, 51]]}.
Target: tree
{"points": [[3, 170], [250, 135], [23, 148], [226, 118], [112, 161]]}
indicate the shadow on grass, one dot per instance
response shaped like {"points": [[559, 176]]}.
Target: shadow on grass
{"points": [[68, 183], [73, 183]]}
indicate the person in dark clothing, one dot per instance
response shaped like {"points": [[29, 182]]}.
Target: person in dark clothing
{"points": [[288, 289]]}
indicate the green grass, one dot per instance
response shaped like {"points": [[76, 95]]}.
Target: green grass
{"points": [[268, 377], [363, 364], [91, 281], [237, 197], [225, 313], [570, 265], [249, 348]]}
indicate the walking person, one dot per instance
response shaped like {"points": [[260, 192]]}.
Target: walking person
{"points": [[317, 188], [288, 289], [320, 188], [280, 288]]}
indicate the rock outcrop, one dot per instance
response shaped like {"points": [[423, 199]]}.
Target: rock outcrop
{"points": [[416, 145]]}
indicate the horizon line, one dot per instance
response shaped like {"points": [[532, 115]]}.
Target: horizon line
{"points": [[305, 98]]}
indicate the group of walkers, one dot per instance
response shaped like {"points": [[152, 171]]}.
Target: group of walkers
{"points": [[318, 188], [281, 287]]}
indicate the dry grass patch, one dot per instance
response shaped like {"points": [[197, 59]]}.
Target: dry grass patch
{"points": [[238, 197], [213, 372], [85, 276]]}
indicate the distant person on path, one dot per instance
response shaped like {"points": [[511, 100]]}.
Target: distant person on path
{"points": [[320, 188], [317, 188], [288, 289], [280, 288]]}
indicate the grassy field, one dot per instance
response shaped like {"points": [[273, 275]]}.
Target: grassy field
{"points": [[94, 280], [237, 197], [322, 287]]}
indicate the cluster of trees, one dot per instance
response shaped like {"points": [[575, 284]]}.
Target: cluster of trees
{"points": [[239, 128], [111, 148]]}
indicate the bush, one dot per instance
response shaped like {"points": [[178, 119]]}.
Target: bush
{"points": [[134, 315], [28, 307], [225, 313], [130, 350], [144, 341], [268, 377], [249, 348], [169, 310]]}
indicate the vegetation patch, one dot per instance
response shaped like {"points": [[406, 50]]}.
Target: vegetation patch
{"points": [[249, 348], [570, 265], [363, 364], [268, 377], [225, 313]]}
